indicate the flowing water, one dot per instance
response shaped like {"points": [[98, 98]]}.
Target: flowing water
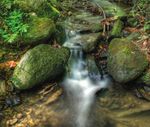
{"points": [[79, 83]]}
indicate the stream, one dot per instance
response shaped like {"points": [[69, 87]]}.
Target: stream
{"points": [[80, 84], [87, 95]]}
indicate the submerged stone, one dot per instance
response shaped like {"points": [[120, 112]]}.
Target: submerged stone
{"points": [[125, 61], [38, 65]]}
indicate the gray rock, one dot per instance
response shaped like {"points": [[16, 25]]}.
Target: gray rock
{"points": [[125, 61], [83, 22], [39, 64], [89, 41]]}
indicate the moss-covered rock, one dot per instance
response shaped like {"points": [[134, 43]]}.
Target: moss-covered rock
{"points": [[117, 28], [39, 64], [40, 29], [89, 41], [125, 62], [40, 7]]}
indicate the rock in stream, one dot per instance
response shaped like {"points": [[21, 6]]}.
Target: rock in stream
{"points": [[38, 65]]}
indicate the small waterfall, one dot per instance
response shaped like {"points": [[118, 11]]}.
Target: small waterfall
{"points": [[79, 84]]}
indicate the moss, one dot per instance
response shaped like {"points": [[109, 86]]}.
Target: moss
{"points": [[117, 28], [146, 77], [39, 29], [42, 8]]}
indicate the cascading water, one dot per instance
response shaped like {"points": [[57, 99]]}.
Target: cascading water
{"points": [[80, 84]]}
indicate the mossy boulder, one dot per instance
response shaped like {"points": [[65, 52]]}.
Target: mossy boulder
{"points": [[39, 64], [125, 61], [89, 41], [40, 29]]}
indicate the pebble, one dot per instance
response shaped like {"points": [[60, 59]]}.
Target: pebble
{"points": [[19, 116], [69, 13]]}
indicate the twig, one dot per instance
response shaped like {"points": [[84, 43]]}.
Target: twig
{"points": [[104, 15]]}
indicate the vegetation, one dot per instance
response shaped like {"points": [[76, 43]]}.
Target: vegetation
{"points": [[12, 21], [141, 8]]}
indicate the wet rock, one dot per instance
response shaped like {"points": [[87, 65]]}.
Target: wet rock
{"points": [[38, 65], [60, 33], [89, 41], [40, 29], [12, 101], [94, 73], [125, 61], [83, 22]]}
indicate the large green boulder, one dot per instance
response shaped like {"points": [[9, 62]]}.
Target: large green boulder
{"points": [[40, 29], [125, 61], [38, 65]]}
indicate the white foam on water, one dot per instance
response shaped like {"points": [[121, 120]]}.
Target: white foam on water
{"points": [[79, 84]]}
